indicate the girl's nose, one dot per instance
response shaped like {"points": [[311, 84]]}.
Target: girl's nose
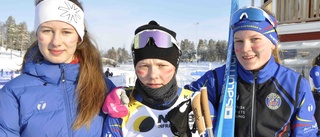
{"points": [[56, 40], [246, 46]]}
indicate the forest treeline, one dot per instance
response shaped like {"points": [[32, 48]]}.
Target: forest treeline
{"points": [[16, 36]]}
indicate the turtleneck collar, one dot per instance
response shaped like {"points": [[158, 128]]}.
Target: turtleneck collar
{"points": [[52, 73], [262, 75], [162, 97]]}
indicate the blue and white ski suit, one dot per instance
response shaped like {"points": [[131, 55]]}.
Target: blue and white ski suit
{"points": [[315, 78]]}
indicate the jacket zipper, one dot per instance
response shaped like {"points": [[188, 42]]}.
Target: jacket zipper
{"points": [[253, 102], [66, 101]]}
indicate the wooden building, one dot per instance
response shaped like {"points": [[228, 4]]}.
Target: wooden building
{"points": [[299, 31]]}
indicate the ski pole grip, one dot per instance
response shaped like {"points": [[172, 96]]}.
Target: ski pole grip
{"points": [[205, 108], [196, 107]]}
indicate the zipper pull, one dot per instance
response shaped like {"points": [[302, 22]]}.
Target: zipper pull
{"points": [[63, 78]]}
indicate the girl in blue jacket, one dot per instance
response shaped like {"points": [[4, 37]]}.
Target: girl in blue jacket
{"points": [[62, 85], [271, 100]]}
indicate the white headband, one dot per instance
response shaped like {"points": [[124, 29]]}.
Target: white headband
{"points": [[61, 10]]}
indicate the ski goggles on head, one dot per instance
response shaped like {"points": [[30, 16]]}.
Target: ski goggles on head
{"points": [[161, 39], [252, 14]]}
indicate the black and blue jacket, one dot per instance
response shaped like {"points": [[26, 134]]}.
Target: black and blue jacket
{"points": [[274, 101]]}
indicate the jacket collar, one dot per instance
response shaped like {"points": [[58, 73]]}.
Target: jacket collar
{"points": [[52, 73], [262, 75]]}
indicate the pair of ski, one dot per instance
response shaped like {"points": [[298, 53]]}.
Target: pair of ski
{"points": [[225, 124]]}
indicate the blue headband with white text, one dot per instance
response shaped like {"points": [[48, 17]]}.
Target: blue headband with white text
{"points": [[256, 19]]}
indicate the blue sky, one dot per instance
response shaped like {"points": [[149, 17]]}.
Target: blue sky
{"points": [[112, 22]]}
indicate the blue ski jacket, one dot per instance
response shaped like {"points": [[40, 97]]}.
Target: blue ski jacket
{"points": [[275, 101], [41, 102], [315, 78]]}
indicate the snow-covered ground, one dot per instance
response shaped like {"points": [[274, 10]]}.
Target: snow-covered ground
{"points": [[8, 65], [122, 76]]}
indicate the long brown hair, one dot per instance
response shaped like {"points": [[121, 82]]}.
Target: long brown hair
{"points": [[276, 54], [91, 89]]}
